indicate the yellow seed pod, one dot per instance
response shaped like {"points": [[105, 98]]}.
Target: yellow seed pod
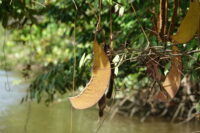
{"points": [[189, 25], [99, 81], [173, 79]]}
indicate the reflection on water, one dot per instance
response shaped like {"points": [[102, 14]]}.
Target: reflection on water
{"points": [[57, 117]]}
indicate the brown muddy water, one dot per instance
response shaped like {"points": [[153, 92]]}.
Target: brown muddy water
{"points": [[57, 118]]}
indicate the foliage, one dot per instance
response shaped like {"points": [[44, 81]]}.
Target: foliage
{"points": [[56, 80], [49, 42], [16, 13]]}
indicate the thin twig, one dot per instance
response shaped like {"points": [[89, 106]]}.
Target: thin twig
{"points": [[75, 5], [74, 73], [7, 84], [138, 21], [36, 2], [99, 19]]}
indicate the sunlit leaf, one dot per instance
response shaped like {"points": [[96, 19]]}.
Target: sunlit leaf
{"points": [[121, 11], [82, 61]]}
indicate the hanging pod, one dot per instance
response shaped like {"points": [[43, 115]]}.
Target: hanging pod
{"points": [[189, 25], [173, 79], [99, 81]]}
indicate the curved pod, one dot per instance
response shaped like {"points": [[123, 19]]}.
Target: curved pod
{"points": [[189, 25], [99, 81], [173, 79]]}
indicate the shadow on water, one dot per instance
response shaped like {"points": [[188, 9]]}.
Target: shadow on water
{"points": [[56, 118]]}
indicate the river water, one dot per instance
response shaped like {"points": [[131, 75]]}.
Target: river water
{"points": [[37, 118]]}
